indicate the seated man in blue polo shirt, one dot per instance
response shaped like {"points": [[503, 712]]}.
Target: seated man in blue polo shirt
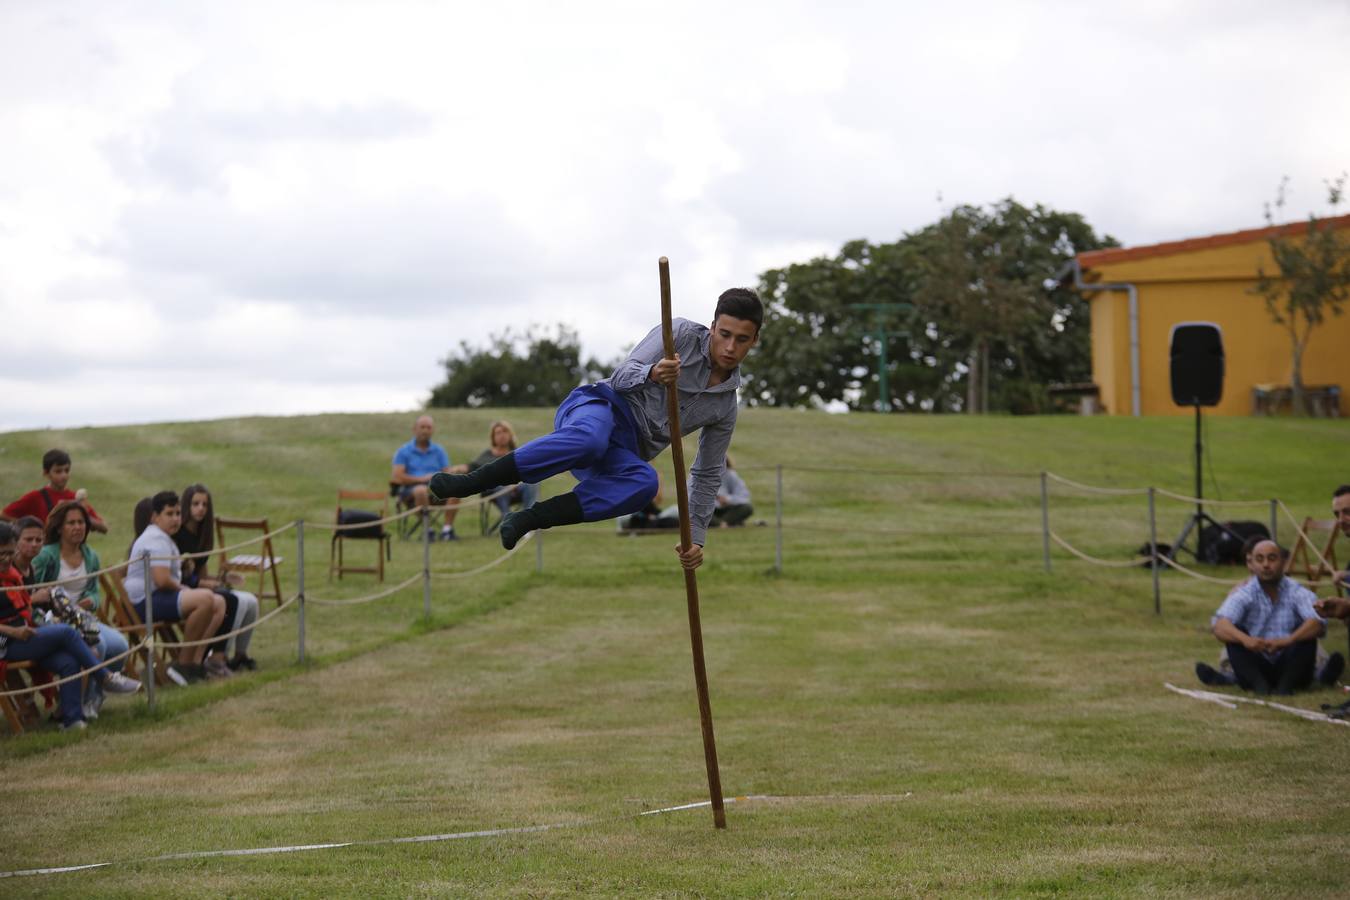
{"points": [[414, 464], [1269, 626]]}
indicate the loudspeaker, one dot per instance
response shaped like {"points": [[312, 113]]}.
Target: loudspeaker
{"points": [[1197, 364]]}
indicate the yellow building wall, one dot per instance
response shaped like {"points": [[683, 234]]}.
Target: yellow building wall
{"points": [[1210, 285], [1110, 350]]}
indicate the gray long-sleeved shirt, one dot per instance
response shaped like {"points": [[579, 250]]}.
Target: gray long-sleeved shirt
{"points": [[712, 409]]}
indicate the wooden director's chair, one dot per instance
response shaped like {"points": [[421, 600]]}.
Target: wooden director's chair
{"points": [[264, 562], [346, 515], [1304, 562]]}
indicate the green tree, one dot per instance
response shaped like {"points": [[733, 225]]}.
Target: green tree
{"points": [[1312, 279], [982, 288], [534, 369]]}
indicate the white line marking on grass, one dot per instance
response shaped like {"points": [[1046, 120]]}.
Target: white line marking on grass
{"points": [[420, 839], [1231, 701]]}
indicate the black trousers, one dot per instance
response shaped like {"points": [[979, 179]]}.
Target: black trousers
{"points": [[1289, 671]]}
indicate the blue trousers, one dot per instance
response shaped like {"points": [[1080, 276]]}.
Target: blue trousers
{"points": [[595, 441], [61, 651]]}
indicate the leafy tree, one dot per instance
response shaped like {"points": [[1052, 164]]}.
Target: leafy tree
{"points": [[534, 369], [983, 294], [1313, 278]]}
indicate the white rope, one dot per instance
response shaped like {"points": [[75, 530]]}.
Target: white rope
{"points": [[103, 664], [488, 565], [1229, 582], [1231, 700], [225, 637], [1163, 492], [370, 599], [463, 503], [122, 566], [1113, 564], [1096, 490]]}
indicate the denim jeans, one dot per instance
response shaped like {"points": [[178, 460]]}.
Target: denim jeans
{"points": [[61, 651]]}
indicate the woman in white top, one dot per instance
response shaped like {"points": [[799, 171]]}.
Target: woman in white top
{"points": [[67, 558]]}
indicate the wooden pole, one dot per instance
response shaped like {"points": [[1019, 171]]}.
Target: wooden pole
{"points": [[690, 578]]}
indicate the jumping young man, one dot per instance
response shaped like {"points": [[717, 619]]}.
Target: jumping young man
{"points": [[604, 433]]}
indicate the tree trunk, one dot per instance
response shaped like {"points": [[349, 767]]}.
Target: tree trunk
{"points": [[984, 376], [973, 382], [1296, 403]]}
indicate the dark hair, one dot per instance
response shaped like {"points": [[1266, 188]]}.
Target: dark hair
{"points": [[23, 523], [56, 520], [1249, 545], [54, 458], [206, 539], [741, 303], [1341, 491], [140, 520], [7, 533], [162, 501]]}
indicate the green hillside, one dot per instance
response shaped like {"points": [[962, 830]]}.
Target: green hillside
{"points": [[925, 708]]}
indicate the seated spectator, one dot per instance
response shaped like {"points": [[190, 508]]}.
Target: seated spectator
{"points": [[501, 441], [241, 607], [65, 557], [1340, 509], [30, 530], [200, 610], [1269, 626], [56, 648], [38, 503], [733, 499], [414, 464]]}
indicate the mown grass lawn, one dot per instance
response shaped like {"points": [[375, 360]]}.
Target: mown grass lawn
{"points": [[928, 710]]}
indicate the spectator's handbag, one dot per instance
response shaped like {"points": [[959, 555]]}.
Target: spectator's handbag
{"points": [[357, 516], [74, 615]]}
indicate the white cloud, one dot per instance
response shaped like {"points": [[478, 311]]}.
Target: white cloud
{"points": [[194, 193]]}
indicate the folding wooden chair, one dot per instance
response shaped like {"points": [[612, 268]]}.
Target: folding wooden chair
{"points": [[20, 712], [377, 533], [1305, 563], [123, 616], [263, 562]]}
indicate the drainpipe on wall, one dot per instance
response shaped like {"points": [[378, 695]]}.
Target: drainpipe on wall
{"points": [[1133, 294]]}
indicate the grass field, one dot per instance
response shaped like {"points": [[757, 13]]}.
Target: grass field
{"points": [[928, 711]]}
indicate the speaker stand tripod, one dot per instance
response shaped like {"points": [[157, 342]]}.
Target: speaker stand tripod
{"points": [[1198, 519]]}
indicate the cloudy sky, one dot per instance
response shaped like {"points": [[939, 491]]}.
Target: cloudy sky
{"points": [[220, 209]]}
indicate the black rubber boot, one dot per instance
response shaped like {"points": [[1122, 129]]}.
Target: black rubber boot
{"points": [[564, 509], [500, 471]]}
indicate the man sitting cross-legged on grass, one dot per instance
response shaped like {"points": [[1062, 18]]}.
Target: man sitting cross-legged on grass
{"points": [[1269, 626], [604, 433], [201, 610]]}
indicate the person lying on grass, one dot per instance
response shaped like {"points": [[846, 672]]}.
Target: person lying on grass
{"points": [[605, 433]]}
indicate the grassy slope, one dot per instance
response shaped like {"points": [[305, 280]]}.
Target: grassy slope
{"points": [[993, 728]]}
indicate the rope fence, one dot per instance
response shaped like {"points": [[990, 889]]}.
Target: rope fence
{"points": [[428, 576], [1164, 556]]}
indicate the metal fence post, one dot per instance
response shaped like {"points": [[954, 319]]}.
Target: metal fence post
{"points": [[1153, 551], [425, 519], [1274, 521], [1045, 521], [149, 632], [778, 546], [300, 587]]}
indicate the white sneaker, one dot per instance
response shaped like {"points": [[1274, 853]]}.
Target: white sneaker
{"points": [[77, 725], [121, 684], [176, 676]]}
